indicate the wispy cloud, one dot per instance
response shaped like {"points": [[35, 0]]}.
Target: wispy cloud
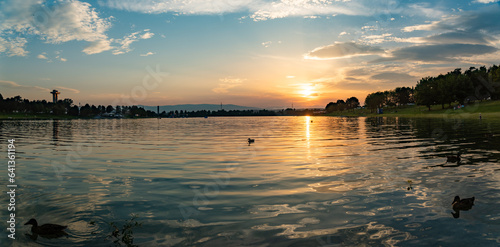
{"points": [[472, 21], [98, 46], [12, 84], [42, 56], [270, 43], [257, 10], [62, 89], [393, 77], [49, 58], [147, 54], [129, 39], [15, 85], [341, 50], [227, 83], [437, 53], [485, 1]]}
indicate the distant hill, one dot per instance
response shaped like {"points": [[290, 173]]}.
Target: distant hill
{"points": [[198, 107]]}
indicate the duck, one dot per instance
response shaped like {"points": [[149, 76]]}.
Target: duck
{"points": [[46, 229], [453, 158], [464, 204], [250, 141]]}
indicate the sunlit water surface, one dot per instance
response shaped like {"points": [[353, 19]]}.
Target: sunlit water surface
{"points": [[306, 181]]}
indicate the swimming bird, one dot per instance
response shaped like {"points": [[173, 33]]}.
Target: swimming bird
{"points": [[464, 204], [453, 158], [250, 141], [46, 229]]}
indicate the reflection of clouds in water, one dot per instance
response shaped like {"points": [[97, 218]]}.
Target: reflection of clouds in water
{"points": [[289, 229], [190, 223], [354, 172], [372, 233], [266, 211], [166, 240]]}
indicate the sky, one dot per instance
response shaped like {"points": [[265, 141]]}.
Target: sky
{"points": [[261, 53]]}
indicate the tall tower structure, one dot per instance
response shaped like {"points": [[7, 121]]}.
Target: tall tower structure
{"points": [[54, 95]]}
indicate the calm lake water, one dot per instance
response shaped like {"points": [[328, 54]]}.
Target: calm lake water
{"points": [[306, 181]]}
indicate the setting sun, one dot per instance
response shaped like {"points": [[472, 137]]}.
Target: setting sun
{"points": [[308, 91]]}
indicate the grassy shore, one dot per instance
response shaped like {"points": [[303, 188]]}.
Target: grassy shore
{"points": [[487, 109]]}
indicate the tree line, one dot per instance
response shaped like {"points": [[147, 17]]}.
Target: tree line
{"points": [[66, 107], [472, 85], [17, 104], [341, 105], [396, 97]]}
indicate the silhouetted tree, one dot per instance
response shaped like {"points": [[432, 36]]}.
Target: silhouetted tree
{"points": [[73, 111], [109, 109], [352, 103], [426, 92], [375, 100]]}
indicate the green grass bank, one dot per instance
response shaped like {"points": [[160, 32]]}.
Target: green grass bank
{"points": [[487, 109]]}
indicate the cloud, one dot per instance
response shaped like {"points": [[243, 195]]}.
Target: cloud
{"points": [[438, 52], [147, 35], [13, 46], [467, 34], [485, 1], [377, 39], [258, 10], [12, 84], [67, 89], [147, 54], [456, 37], [50, 59], [227, 83], [340, 50], [59, 22], [41, 56], [129, 39], [97, 46], [426, 10], [176, 6], [393, 77], [485, 21], [54, 22], [269, 43]]}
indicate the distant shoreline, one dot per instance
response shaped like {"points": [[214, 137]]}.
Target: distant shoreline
{"points": [[487, 109]]}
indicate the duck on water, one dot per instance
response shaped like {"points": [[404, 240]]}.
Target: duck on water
{"points": [[453, 158], [462, 204], [46, 230]]}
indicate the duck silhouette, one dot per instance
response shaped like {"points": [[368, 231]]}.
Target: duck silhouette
{"points": [[461, 204], [453, 158], [46, 230], [250, 141]]}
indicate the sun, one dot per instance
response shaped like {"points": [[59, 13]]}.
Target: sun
{"points": [[307, 91]]}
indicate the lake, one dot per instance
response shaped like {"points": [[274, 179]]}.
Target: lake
{"points": [[306, 181]]}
